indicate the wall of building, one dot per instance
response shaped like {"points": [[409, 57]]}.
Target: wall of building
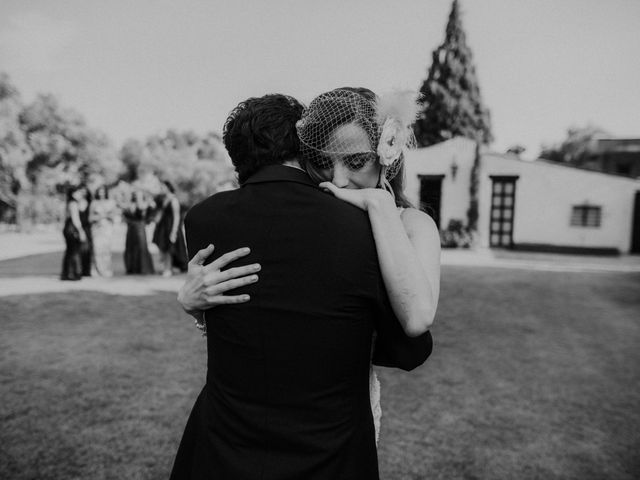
{"points": [[545, 195], [437, 160]]}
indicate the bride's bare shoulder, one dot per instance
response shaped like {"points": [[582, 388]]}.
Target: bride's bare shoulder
{"points": [[415, 220]]}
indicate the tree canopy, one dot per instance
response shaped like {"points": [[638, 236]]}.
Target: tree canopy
{"points": [[45, 147], [65, 150], [576, 148], [15, 152], [197, 165]]}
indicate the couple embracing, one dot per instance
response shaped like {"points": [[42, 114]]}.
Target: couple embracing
{"points": [[341, 274]]}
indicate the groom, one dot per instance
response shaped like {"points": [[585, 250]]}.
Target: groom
{"points": [[287, 391]]}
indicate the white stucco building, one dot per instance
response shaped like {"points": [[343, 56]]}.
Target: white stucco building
{"points": [[536, 205]]}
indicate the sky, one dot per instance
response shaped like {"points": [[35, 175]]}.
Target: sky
{"points": [[136, 68]]}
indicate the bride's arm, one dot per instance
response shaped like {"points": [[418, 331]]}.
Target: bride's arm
{"points": [[175, 209], [408, 247]]}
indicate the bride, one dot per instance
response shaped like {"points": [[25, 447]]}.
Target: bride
{"points": [[353, 144]]}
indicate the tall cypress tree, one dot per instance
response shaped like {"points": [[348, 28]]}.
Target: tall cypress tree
{"points": [[451, 94]]}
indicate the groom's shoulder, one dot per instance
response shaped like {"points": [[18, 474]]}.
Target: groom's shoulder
{"points": [[346, 223], [332, 208], [210, 205], [309, 201]]}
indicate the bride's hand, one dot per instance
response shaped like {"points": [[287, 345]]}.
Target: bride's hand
{"points": [[362, 198], [206, 284]]}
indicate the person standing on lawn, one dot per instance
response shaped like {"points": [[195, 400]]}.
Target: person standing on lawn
{"points": [[167, 234], [101, 214], [138, 213], [287, 391], [74, 233], [86, 252]]}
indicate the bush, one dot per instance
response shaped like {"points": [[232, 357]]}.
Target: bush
{"points": [[456, 235]]}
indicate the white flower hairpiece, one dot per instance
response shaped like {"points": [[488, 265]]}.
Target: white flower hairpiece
{"points": [[395, 114]]}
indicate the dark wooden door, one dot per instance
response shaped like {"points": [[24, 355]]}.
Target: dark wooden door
{"points": [[431, 196], [503, 194], [635, 228]]}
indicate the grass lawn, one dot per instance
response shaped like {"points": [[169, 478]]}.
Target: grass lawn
{"points": [[534, 375]]}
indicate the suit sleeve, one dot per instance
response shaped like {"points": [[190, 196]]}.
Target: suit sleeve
{"points": [[192, 235], [393, 348]]}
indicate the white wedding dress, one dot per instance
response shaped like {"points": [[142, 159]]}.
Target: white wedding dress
{"points": [[374, 395]]}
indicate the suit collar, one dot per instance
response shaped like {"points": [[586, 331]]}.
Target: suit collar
{"points": [[280, 173]]}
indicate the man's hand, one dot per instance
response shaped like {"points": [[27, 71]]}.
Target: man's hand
{"points": [[205, 285]]}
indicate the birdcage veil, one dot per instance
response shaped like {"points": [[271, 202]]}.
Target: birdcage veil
{"points": [[386, 120]]}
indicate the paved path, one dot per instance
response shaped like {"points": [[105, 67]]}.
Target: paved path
{"points": [[16, 245], [47, 240], [129, 285]]}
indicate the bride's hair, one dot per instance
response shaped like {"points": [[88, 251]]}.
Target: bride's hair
{"points": [[339, 107]]}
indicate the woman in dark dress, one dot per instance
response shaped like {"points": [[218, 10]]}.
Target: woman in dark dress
{"points": [[137, 259], [74, 234], [168, 234], [86, 252]]}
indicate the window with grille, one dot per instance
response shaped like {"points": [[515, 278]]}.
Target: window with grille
{"points": [[585, 216]]}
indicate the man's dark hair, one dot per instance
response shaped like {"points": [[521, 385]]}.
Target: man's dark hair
{"points": [[262, 131]]}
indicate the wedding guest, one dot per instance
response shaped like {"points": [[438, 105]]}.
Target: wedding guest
{"points": [[74, 233], [168, 233], [86, 250], [102, 213], [137, 259]]}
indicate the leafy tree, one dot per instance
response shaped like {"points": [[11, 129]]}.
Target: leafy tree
{"points": [[131, 156], [474, 181], [451, 94], [65, 149], [198, 166], [44, 147], [14, 149], [576, 148], [97, 158], [516, 149]]}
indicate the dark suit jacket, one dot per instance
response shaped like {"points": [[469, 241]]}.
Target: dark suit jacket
{"points": [[287, 392]]}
